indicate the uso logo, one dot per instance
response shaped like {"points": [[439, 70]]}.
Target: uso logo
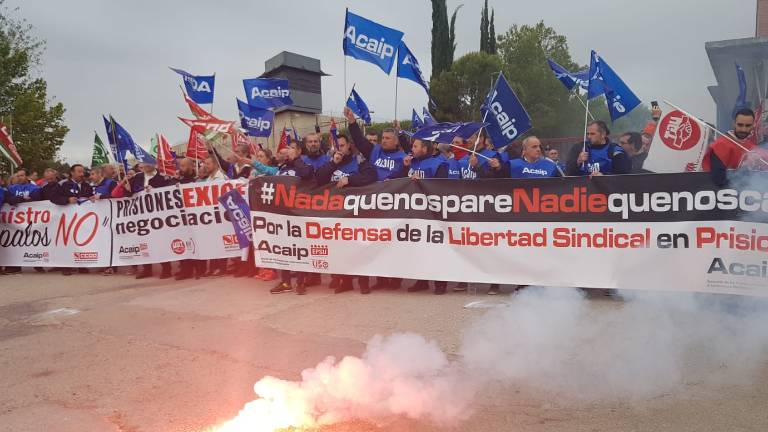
{"points": [[178, 247]]}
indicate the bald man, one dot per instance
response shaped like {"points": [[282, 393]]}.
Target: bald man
{"points": [[530, 164]]}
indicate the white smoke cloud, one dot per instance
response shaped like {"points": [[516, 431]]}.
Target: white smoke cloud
{"points": [[551, 340]]}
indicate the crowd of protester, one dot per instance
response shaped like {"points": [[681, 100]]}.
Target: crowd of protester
{"points": [[361, 159]]}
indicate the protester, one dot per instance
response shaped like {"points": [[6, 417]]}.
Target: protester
{"points": [[314, 155], [598, 156], [232, 165], [372, 137], [22, 189], [188, 268], [632, 143], [554, 155], [469, 171], [73, 191], [148, 179], [727, 152], [386, 157], [530, 164], [344, 169]]}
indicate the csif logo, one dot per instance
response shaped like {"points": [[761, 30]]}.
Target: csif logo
{"points": [[379, 48]]}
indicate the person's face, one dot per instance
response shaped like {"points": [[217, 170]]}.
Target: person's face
{"points": [[554, 155], [743, 126], [294, 151], [646, 140], [131, 173], [262, 157], [388, 141], [595, 135], [50, 176], [96, 176], [282, 155], [344, 146], [457, 141], [147, 168], [626, 145], [34, 176], [419, 149], [532, 150], [313, 143], [78, 173], [210, 166], [21, 177], [108, 171], [187, 167], [373, 138]]}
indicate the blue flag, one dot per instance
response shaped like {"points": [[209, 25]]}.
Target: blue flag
{"points": [[741, 99], [369, 41], [416, 122], [111, 138], [408, 67], [256, 121], [199, 87], [358, 106], [446, 132], [125, 144], [267, 92], [240, 215], [504, 113], [569, 80], [428, 120], [620, 99]]}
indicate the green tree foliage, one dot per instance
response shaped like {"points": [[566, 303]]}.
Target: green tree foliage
{"points": [[460, 91], [484, 32], [38, 125], [452, 36], [492, 35], [443, 37]]}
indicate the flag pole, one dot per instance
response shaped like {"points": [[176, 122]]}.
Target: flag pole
{"points": [[396, 80], [119, 158], [470, 151], [586, 121], [346, 14], [576, 93], [214, 80], [726, 136]]}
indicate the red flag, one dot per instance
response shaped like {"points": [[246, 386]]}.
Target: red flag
{"points": [[196, 148], [284, 140], [215, 125], [239, 138], [8, 145], [165, 157], [197, 110]]}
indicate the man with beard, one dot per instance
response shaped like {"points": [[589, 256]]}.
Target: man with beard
{"points": [[598, 156], [187, 267], [314, 156], [724, 154]]}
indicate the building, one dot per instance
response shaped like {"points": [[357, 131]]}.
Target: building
{"points": [[752, 55]]}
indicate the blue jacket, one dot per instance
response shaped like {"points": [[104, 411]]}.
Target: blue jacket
{"points": [[22, 192]]}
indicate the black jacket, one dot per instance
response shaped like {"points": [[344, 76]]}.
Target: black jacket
{"points": [[365, 147], [296, 168], [231, 169], [137, 183], [71, 189]]}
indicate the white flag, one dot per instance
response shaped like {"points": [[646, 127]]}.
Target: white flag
{"points": [[678, 145]]}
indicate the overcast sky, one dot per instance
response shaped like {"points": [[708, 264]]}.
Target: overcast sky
{"points": [[113, 56]]}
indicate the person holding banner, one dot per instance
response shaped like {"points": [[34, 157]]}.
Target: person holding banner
{"points": [[470, 164], [73, 191], [147, 179], [598, 155], [445, 153], [728, 152], [531, 164], [344, 169], [21, 189]]}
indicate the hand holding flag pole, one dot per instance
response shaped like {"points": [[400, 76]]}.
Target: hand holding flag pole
{"points": [[726, 136]]}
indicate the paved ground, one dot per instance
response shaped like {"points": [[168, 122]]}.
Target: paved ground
{"points": [[93, 353]]}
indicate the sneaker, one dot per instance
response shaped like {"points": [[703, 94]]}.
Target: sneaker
{"points": [[301, 288], [109, 271], [282, 287], [495, 289], [312, 279], [461, 286], [266, 275]]}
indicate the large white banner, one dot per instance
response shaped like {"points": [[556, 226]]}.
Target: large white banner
{"points": [[164, 224], [651, 232], [44, 234], [678, 145], [174, 223]]}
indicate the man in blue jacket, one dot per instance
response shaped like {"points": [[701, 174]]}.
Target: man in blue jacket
{"points": [[598, 156]]}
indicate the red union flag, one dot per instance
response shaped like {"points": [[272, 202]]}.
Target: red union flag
{"points": [[213, 125], [196, 148], [8, 147], [165, 158], [678, 144], [197, 110]]}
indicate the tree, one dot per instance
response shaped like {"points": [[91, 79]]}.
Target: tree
{"points": [[492, 35], [38, 128], [443, 37], [484, 34], [460, 91]]}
